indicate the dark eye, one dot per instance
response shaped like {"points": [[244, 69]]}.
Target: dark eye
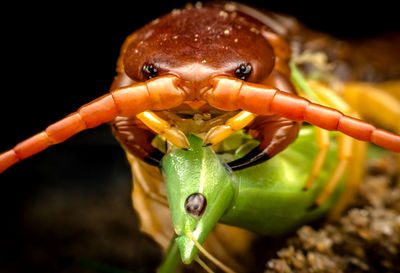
{"points": [[243, 71], [150, 71], [196, 204]]}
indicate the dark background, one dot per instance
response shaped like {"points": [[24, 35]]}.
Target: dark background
{"points": [[68, 209]]}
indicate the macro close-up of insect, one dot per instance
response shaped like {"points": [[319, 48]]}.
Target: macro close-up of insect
{"points": [[235, 123]]}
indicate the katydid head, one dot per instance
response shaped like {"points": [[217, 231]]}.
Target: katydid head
{"points": [[199, 189]]}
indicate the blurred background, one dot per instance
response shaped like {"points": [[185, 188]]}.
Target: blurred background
{"points": [[68, 209]]}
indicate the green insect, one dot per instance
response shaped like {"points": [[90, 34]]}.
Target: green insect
{"points": [[267, 198]]}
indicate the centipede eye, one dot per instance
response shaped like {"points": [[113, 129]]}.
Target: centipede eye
{"points": [[196, 204], [243, 71], [150, 71]]}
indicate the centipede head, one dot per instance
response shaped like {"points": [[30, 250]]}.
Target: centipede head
{"points": [[197, 43]]}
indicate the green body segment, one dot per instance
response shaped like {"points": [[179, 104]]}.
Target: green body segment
{"points": [[270, 199], [267, 198]]}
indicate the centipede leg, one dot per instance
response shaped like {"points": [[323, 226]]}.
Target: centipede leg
{"points": [[345, 145], [373, 103], [353, 180], [234, 124], [391, 89], [323, 143], [346, 150], [163, 128], [379, 103]]}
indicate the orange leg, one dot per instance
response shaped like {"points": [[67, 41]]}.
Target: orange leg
{"points": [[322, 139], [162, 127], [348, 153], [379, 103], [344, 155], [323, 143], [231, 94], [329, 98], [158, 94], [234, 124], [353, 179]]}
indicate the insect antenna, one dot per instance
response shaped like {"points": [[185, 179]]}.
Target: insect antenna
{"points": [[203, 264], [217, 262]]}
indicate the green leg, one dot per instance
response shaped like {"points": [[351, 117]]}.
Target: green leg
{"points": [[171, 260]]}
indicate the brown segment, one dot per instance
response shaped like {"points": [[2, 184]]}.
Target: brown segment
{"points": [[274, 133], [134, 136]]}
